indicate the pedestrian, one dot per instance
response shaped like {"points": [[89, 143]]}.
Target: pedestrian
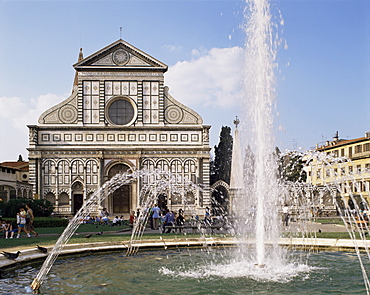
{"points": [[169, 220], [29, 220], [286, 214], [132, 219], [151, 217], [207, 216], [180, 220], [156, 216], [21, 222], [8, 229]]}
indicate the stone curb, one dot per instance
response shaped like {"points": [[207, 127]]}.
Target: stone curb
{"points": [[333, 244]]}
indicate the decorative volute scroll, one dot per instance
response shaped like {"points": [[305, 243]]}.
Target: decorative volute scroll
{"points": [[63, 113], [177, 113], [124, 67]]}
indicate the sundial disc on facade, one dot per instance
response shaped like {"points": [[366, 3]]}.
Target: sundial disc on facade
{"points": [[120, 57], [68, 114], [173, 114]]}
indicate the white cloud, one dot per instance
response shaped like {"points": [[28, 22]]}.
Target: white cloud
{"points": [[211, 78], [15, 115], [173, 47], [214, 77]]}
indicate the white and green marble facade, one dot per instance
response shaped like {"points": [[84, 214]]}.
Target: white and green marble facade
{"points": [[80, 142]]}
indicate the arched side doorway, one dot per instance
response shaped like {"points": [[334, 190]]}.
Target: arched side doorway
{"points": [[121, 198], [162, 202], [220, 198], [77, 196]]}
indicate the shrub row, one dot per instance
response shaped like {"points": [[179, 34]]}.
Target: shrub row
{"points": [[40, 208], [44, 222]]}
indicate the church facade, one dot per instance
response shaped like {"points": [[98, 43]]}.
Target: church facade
{"points": [[120, 117]]}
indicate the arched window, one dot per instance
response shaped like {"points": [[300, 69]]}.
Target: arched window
{"points": [[63, 199], [190, 171], [91, 172], [148, 164], [77, 169], [189, 198], [49, 172], [176, 167], [162, 165], [51, 198], [63, 172]]}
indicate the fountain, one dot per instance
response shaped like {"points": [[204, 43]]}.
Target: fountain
{"points": [[256, 201], [158, 181], [260, 193]]}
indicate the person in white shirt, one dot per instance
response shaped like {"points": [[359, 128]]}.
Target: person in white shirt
{"points": [[115, 221]]}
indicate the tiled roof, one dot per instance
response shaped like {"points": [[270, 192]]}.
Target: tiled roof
{"points": [[19, 165], [341, 142]]}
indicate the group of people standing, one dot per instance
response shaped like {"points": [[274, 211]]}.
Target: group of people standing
{"points": [[168, 218], [25, 219]]}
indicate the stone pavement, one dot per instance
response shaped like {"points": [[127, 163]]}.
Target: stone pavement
{"points": [[314, 227]]}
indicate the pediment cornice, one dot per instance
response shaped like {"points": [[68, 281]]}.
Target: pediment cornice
{"points": [[120, 55]]}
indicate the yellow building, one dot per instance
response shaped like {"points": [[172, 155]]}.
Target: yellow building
{"points": [[344, 164]]}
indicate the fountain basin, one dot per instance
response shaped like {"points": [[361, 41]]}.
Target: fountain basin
{"points": [[29, 254], [190, 271]]}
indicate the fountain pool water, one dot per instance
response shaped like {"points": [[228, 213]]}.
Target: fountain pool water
{"points": [[190, 271]]}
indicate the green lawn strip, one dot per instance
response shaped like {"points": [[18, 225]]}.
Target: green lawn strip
{"points": [[82, 228], [330, 221]]}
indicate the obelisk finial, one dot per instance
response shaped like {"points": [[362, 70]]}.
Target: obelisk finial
{"points": [[236, 122]]}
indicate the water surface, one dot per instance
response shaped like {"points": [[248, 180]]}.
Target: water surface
{"points": [[194, 271]]}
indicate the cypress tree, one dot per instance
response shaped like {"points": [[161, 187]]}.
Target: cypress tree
{"points": [[221, 164]]}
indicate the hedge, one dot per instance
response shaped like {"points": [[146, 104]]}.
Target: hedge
{"points": [[40, 208], [44, 222]]}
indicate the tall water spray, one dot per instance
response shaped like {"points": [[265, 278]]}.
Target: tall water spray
{"points": [[260, 196]]}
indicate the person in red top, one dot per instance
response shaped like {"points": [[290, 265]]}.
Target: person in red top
{"points": [[132, 219]]}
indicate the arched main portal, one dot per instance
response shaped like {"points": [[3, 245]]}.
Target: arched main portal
{"points": [[121, 198]]}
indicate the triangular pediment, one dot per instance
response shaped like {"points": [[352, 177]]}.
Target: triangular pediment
{"points": [[120, 55]]}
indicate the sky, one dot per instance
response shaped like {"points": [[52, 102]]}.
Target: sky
{"points": [[322, 79]]}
